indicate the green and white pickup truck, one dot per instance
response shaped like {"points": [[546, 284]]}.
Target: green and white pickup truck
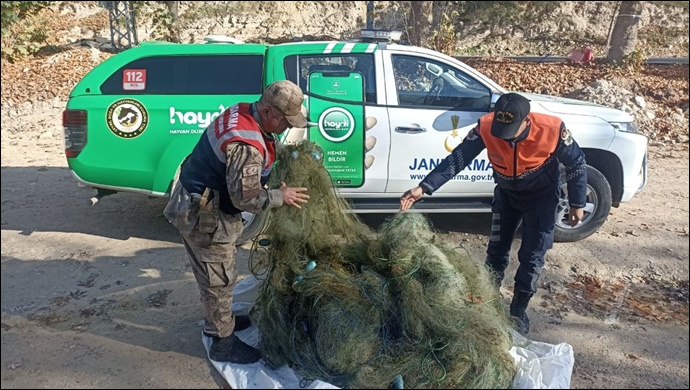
{"points": [[131, 121]]}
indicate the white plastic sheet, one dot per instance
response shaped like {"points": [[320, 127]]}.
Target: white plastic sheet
{"points": [[540, 365]]}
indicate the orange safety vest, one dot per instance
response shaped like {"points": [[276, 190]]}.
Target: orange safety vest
{"points": [[527, 154]]}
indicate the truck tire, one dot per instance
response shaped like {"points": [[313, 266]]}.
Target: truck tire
{"points": [[596, 210], [254, 224]]}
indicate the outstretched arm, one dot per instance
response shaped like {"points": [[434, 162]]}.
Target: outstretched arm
{"points": [[243, 175], [573, 158]]}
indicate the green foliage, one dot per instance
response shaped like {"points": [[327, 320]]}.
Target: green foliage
{"points": [[163, 27], [635, 60], [26, 42], [451, 17], [476, 50], [14, 11], [162, 21], [444, 38], [21, 35]]}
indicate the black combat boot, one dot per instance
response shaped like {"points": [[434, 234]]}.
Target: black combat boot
{"points": [[242, 323], [231, 349], [518, 311]]}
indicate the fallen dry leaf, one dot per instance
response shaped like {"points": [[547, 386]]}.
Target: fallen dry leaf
{"points": [[632, 356], [469, 297]]}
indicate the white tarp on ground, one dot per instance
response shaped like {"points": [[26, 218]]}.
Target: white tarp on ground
{"points": [[540, 365]]}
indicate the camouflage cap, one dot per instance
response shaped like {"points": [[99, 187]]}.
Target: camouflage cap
{"points": [[287, 98]]}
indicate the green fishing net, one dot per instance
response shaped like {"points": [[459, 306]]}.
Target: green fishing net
{"points": [[373, 309]]}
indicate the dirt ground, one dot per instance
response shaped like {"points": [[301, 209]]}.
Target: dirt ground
{"points": [[103, 297]]}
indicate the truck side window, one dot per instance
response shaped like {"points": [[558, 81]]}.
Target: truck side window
{"points": [[421, 82], [193, 75], [297, 69]]}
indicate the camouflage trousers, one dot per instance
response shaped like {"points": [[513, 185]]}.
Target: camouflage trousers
{"points": [[212, 256]]}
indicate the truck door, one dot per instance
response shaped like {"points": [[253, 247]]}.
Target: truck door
{"points": [[349, 57], [432, 105]]}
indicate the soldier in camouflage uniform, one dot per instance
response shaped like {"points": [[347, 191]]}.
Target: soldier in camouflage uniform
{"points": [[223, 176]]}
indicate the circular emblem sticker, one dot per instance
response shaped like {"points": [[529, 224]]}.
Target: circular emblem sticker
{"points": [[127, 118], [336, 124]]}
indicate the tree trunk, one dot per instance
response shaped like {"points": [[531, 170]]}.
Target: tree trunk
{"points": [[173, 8], [421, 18], [624, 35]]}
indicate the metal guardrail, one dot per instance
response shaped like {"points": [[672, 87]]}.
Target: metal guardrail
{"points": [[667, 61], [651, 61]]}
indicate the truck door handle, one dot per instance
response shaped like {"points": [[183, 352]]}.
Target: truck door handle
{"points": [[410, 130]]}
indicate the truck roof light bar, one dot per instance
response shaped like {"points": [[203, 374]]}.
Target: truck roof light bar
{"points": [[377, 35]]}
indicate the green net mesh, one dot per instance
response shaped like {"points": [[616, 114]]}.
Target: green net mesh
{"points": [[373, 309]]}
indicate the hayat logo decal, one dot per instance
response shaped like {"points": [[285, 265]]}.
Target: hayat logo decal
{"points": [[336, 124], [200, 119], [127, 118]]}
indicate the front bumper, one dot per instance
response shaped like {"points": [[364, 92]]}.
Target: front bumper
{"points": [[631, 148]]}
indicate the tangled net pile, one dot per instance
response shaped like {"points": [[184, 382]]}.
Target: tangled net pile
{"points": [[357, 309]]}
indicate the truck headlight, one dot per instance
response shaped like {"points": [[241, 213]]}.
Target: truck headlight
{"points": [[628, 127]]}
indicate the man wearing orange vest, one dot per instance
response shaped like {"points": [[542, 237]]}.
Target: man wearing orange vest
{"points": [[524, 149]]}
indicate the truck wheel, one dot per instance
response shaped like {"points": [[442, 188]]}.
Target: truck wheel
{"points": [[254, 224], [596, 210]]}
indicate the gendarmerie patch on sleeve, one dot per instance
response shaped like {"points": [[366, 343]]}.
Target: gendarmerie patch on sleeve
{"points": [[473, 135], [566, 137], [251, 181]]}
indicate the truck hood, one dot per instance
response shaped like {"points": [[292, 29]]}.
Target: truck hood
{"points": [[560, 105]]}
